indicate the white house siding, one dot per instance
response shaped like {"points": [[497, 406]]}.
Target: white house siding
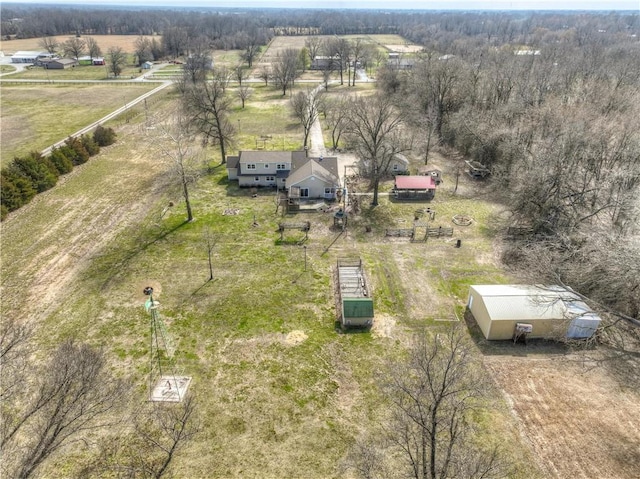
{"points": [[257, 180], [232, 173]]}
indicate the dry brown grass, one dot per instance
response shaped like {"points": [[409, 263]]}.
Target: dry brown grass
{"points": [[9, 47]]}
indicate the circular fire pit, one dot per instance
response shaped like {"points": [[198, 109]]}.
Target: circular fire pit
{"points": [[462, 220]]}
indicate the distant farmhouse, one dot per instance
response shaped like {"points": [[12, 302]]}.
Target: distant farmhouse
{"points": [[292, 171], [398, 62], [324, 62]]}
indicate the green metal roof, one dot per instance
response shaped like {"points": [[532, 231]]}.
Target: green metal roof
{"points": [[357, 308]]}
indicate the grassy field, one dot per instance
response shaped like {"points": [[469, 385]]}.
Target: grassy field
{"points": [[36, 116], [282, 393]]}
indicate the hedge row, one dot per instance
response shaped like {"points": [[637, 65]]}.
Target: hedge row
{"points": [[34, 173]]}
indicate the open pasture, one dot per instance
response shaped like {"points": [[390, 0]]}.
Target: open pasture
{"points": [[35, 116]]}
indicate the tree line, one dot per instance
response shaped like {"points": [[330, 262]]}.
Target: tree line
{"points": [[34, 173], [226, 28]]}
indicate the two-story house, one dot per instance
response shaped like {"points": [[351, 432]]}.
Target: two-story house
{"points": [[302, 177]]}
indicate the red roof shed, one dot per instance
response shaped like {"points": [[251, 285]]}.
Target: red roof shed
{"points": [[415, 183]]}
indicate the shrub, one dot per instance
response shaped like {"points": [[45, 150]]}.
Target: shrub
{"points": [[15, 188], [60, 159], [104, 136], [80, 155], [90, 145], [40, 170]]}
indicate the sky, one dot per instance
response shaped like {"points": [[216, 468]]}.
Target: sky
{"points": [[606, 5]]}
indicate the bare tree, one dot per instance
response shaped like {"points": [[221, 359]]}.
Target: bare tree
{"points": [[327, 71], [222, 76], [357, 53], [147, 448], [251, 49], [208, 106], [143, 51], [265, 75], [50, 44], [177, 144], [74, 47], [175, 41], [367, 459], [93, 48], [14, 355], [244, 93], [305, 109], [240, 75], [74, 393], [159, 434], [116, 60], [285, 69], [336, 114], [313, 44], [374, 130], [432, 397], [339, 49], [437, 83]]}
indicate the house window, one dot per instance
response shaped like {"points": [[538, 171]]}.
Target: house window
{"points": [[251, 166], [281, 166], [270, 178], [304, 192], [328, 191], [266, 166], [257, 179], [395, 167]]}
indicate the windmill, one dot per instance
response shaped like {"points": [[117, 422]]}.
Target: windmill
{"points": [[166, 381]]}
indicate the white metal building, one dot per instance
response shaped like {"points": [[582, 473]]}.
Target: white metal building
{"points": [[26, 57], [552, 311]]}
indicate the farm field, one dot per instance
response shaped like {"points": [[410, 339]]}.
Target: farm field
{"points": [[127, 42], [281, 393], [579, 418], [34, 117]]}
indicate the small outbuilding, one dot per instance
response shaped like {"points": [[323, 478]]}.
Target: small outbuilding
{"points": [[501, 311], [356, 304], [414, 187], [61, 64]]}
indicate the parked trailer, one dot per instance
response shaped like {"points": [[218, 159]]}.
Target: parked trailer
{"points": [[356, 304]]}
